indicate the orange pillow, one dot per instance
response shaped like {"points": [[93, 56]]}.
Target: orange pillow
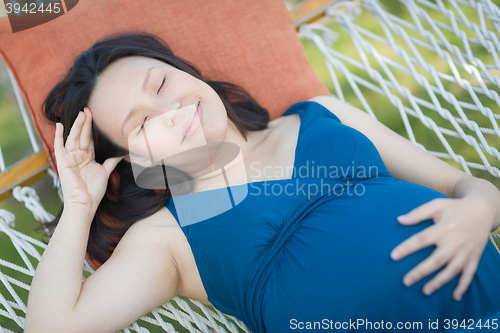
{"points": [[249, 43]]}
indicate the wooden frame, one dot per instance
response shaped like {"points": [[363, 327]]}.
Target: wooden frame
{"points": [[24, 173], [34, 167], [309, 11]]}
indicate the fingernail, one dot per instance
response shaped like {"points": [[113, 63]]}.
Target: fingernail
{"points": [[457, 297], [409, 280], [403, 218], [428, 290], [396, 254]]}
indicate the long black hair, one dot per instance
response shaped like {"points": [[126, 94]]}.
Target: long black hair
{"points": [[124, 202]]}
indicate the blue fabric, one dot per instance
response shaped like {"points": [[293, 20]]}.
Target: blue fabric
{"points": [[280, 260]]}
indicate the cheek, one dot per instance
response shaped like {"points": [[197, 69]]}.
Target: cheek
{"points": [[215, 129], [138, 149]]}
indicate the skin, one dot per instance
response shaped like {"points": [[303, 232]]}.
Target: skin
{"points": [[162, 111], [153, 262]]}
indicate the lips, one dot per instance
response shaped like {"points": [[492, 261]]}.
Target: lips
{"points": [[188, 124]]}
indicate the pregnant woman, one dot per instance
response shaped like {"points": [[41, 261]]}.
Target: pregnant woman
{"points": [[287, 224]]}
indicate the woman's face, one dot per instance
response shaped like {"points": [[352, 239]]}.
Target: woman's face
{"points": [[154, 109]]}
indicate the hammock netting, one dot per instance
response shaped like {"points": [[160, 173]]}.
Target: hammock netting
{"points": [[438, 72]]}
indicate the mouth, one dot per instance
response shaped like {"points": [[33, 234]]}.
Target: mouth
{"points": [[192, 126]]}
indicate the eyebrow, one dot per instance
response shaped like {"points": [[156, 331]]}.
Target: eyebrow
{"points": [[132, 111]]}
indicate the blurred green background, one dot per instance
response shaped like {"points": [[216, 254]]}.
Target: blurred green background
{"points": [[15, 144]]}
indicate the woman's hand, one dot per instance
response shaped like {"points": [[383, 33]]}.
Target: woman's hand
{"points": [[83, 180], [460, 232]]}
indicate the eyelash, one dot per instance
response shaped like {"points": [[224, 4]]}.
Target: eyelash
{"points": [[144, 122], [163, 82]]}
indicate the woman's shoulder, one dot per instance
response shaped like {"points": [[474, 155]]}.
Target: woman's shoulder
{"points": [[315, 107], [159, 229], [302, 113], [160, 226]]}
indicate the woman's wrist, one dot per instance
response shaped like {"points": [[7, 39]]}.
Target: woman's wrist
{"points": [[82, 210], [484, 191]]}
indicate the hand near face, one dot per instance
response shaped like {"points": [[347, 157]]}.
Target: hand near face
{"points": [[83, 180]]}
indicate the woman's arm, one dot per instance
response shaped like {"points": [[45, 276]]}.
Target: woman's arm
{"points": [[139, 276], [408, 162], [57, 282]]}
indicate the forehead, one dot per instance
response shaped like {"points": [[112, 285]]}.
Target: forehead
{"points": [[120, 83], [127, 73]]}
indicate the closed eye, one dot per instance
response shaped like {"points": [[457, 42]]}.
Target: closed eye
{"points": [[162, 83]]}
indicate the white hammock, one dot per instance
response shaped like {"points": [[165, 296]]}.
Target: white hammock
{"points": [[380, 61]]}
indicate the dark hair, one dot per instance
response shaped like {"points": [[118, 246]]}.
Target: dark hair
{"points": [[124, 202]]}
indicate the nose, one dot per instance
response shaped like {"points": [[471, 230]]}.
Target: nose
{"points": [[171, 114]]}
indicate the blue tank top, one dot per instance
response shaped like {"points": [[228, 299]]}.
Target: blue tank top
{"points": [[317, 246]]}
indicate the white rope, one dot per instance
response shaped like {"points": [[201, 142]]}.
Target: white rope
{"points": [[2, 161], [56, 183], [32, 202], [384, 80], [24, 112], [492, 239]]}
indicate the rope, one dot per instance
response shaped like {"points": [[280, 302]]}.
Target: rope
{"points": [[24, 112], [2, 161], [32, 202], [56, 183], [492, 236], [409, 62]]}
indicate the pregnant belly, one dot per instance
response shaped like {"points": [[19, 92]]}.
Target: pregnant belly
{"points": [[337, 264]]}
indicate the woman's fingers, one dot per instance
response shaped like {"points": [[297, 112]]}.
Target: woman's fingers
{"points": [[451, 270], [436, 260], [58, 137], [58, 142], [86, 134], [111, 163], [420, 240], [73, 141], [465, 278], [422, 212]]}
